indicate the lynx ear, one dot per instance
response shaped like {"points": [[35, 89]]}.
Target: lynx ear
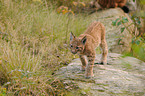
{"points": [[84, 40], [71, 36]]}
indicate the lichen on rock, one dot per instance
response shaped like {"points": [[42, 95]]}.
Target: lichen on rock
{"points": [[110, 79]]}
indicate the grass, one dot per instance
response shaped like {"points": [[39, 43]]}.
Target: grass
{"points": [[33, 44], [34, 41], [137, 51]]}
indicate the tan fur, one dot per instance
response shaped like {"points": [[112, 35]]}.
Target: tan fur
{"points": [[110, 3], [86, 43]]}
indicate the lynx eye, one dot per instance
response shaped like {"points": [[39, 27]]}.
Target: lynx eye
{"points": [[77, 47]]}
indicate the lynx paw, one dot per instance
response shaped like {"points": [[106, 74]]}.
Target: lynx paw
{"points": [[89, 76], [102, 62], [105, 63]]}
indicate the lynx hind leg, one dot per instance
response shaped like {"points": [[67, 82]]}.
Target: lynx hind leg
{"points": [[89, 68], [104, 48], [84, 62]]}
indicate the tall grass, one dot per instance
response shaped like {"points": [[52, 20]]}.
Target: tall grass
{"points": [[33, 44]]}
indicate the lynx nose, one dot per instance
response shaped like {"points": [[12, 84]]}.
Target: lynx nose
{"points": [[73, 51]]}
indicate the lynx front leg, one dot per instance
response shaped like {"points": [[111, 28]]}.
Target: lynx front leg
{"points": [[104, 52], [84, 62], [89, 68]]}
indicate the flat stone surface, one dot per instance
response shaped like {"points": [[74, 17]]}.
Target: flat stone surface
{"points": [[123, 76]]}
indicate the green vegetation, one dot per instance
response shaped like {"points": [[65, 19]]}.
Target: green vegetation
{"points": [[138, 40], [127, 66], [34, 40], [33, 44]]}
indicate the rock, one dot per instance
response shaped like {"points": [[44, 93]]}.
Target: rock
{"points": [[113, 33], [123, 76], [132, 5]]}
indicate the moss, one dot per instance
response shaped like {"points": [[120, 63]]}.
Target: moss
{"points": [[127, 66], [139, 94], [124, 93], [102, 84]]}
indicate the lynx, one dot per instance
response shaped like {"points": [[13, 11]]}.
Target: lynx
{"points": [[85, 45]]}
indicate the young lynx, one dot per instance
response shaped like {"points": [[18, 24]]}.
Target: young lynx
{"points": [[85, 45]]}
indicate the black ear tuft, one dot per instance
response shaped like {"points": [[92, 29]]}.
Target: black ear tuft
{"points": [[84, 40], [71, 36]]}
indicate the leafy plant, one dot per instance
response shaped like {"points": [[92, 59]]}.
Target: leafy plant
{"points": [[137, 39], [122, 20]]}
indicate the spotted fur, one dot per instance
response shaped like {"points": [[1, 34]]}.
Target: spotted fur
{"points": [[85, 45]]}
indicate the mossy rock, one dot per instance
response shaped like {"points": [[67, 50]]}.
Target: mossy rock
{"points": [[123, 76]]}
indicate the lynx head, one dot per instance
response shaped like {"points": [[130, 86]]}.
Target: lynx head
{"points": [[77, 45]]}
